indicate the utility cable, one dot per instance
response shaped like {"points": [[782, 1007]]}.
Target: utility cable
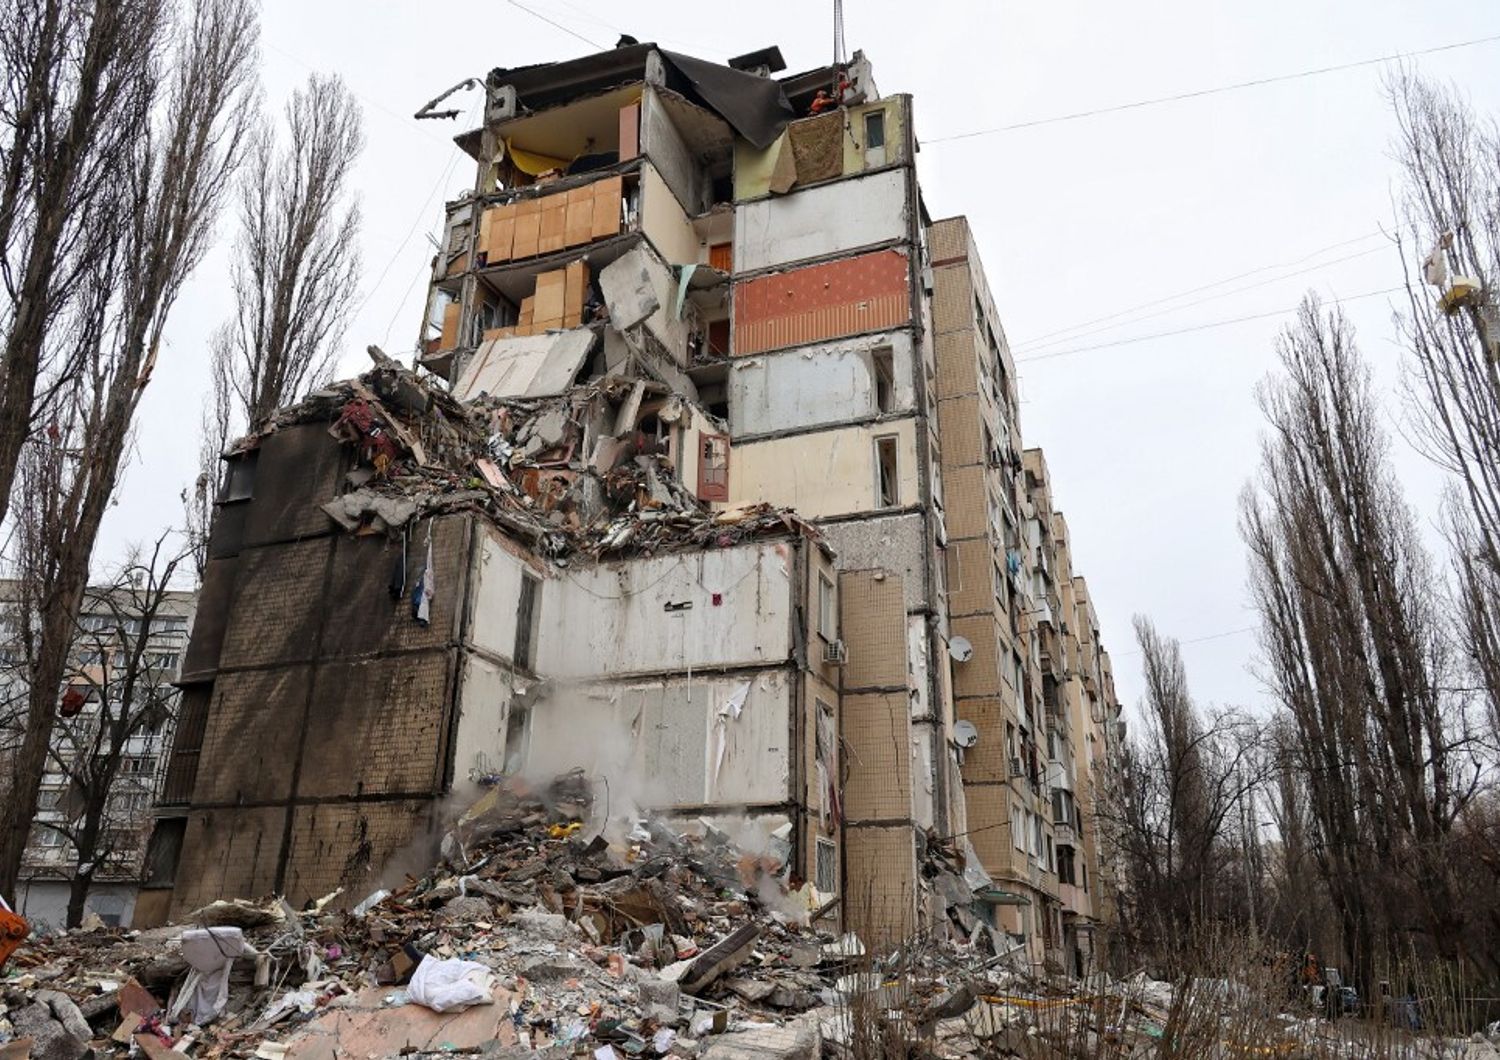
{"points": [[1199, 327], [1041, 339], [1197, 93], [1075, 336], [1194, 640], [556, 25], [416, 223]]}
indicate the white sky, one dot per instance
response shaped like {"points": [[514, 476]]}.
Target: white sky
{"points": [[1149, 443]]}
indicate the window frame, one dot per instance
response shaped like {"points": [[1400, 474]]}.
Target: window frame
{"points": [[828, 609]]}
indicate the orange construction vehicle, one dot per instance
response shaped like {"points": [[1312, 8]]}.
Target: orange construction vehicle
{"points": [[13, 932]]}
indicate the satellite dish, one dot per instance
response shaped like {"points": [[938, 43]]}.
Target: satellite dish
{"points": [[965, 734], [960, 649]]}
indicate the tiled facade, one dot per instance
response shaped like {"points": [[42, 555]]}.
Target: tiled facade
{"points": [[1036, 684]]}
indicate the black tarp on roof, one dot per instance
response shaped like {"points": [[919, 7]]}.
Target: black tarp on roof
{"points": [[756, 107]]}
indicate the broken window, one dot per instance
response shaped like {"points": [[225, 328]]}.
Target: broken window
{"points": [[713, 467], [826, 868], [239, 477], [885, 379], [823, 738], [887, 493], [526, 615], [517, 722], [828, 619], [874, 129]]}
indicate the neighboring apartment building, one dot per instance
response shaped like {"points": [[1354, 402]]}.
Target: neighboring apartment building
{"points": [[110, 628], [780, 320], [1030, 678]]}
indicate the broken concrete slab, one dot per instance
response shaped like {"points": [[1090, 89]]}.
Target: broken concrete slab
{"points": [[66, 1013], [466, 910], [350, 510], [50, 1039], [798, 1040], [526, 365], [629, 289], [659, 999]]}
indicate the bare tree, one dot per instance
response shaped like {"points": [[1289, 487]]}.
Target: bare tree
{"points": [[169, 187], [1354, 649], [72, 87], [1178, 811], [1450, 162], [294, 273]]}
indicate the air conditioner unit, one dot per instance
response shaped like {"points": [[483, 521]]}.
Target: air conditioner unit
{"points": [[834, 652], [1015, 768]]}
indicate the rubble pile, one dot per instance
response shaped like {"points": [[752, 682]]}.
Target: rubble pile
{"points": [[541, 932], [534, 934], [572, 475]]}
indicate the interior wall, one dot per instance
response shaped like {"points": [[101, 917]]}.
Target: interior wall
{"points": [[811, 386], [614, 619], [823, 473]]}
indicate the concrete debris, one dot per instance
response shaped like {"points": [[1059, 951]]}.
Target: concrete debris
{"points": [[629, 290], [535, 933], [591, 472]]}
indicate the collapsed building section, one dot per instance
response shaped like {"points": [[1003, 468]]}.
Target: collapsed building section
{"points": [[707, 482]]}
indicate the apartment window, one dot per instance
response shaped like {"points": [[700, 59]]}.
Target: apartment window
{"points": [[874, 129], [1085, 869], [48, 799], [887, 492], [1036, 834], [826, 867], [526, 609], [828, 619], [1065, 870], [1018, 828], [1051, 863], [885, 379], [713, 467]]}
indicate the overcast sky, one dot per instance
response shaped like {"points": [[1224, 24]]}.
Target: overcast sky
{"points": [[1149, 442]]}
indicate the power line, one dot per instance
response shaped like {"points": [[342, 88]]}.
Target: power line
{"points": [[1041, 339], [1197, 93], [1076, 335], [1199, 327], [421, 213], [404, 120], [1197, 640], [556, 25]]}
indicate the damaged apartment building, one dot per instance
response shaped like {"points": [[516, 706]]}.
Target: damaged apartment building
{"points": [[706, 480]]}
